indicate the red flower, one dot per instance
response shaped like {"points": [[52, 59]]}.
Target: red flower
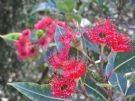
{"points": [[45, 41], [26, 33], [31, 51], [62, 87], [21, 43], [44, 23], [23, 54], [66, 38], [24, 47], [49, 37], [120, 43], [59, 60], [102, 31], [62, 24], [75, 69], [42, 41]]}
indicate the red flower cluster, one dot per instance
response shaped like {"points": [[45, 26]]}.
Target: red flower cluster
{"points": [[62, 87], [105, 33], [71, 70], [102, 31], [49, 26], [24, 47], [58, 59], [75, 69], [64, 83], [120, 43]]}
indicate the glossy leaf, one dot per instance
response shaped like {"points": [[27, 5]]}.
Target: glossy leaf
{"points": [[45, 54], [11, 36], [124, 62], [120, 81], [50, 5], [10, 39], [95, 90], [34, 91], [89, 44], [131, 90], [58, 33], [92, 88], [110, 64]]}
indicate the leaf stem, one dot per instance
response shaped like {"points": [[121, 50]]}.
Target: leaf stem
{"points": [[94, 64], [84, 91], [102, 56]]}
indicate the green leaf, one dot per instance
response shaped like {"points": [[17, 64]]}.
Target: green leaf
{"points": [[120, 81], [11, 36], [92, 88], [96, 91], [34, 91], [89, 44], [110, 64], [40, 33], [50, 5], [104, 85], [124, 62], [131, 90], [59, 31], [10, 39], [65, 5]]}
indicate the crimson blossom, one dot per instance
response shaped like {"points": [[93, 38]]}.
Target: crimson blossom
{"points": [[62, 87]]}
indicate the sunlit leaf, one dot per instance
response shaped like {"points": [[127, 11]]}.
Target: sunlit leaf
{"points": [[65, 5], [11, 36]]}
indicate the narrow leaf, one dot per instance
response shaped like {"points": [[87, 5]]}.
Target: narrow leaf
{"points": [[11, 36]]}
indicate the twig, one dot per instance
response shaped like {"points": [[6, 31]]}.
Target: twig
{"points": [[94, 64]]}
